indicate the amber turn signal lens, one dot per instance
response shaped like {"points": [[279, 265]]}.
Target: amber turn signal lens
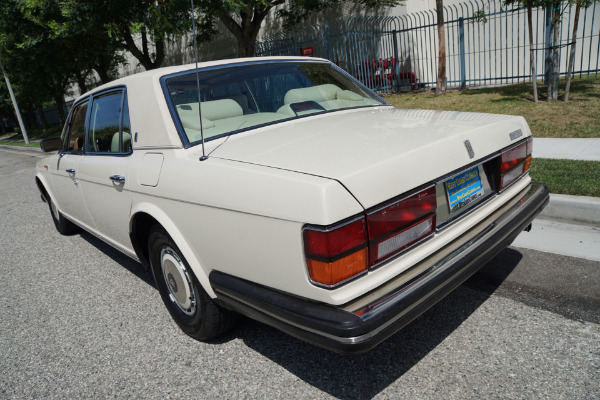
{"points": [[331, 273], [527, 164]]}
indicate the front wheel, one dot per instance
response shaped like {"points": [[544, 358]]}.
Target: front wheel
{"points": [[189, 305]]}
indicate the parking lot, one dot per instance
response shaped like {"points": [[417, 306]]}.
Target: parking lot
{"points": [[81, 320]]}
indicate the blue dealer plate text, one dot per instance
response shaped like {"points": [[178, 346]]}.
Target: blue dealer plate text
{"points": [[463, 189]]}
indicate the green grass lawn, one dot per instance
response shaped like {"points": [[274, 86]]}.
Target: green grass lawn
{"points": [[34, 135], [20, 143], [578, 118], [579, 178]]}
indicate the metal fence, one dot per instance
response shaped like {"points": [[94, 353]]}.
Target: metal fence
{"points": [[401, 53]]}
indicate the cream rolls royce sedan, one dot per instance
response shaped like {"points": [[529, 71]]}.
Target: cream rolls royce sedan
{"points": [[284, 190]]}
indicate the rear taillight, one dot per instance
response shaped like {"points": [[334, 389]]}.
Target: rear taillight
{"points": [[342, 251], [336, 253], [514, 163], [398, 225]]}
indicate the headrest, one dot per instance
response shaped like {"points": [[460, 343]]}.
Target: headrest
{"points": [[188, 114], [220, 109], [316, 93]]}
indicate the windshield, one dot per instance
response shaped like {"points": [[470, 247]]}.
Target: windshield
{"points": [[242, 97]]}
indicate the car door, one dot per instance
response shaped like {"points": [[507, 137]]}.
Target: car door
{"points": [[66, 175], [103, 170]]}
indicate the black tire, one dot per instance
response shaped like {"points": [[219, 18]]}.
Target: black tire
{"points": [[63, 225], [190, 306]]}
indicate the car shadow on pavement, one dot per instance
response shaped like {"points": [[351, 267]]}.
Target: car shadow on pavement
{"points": [[129, 264], [363, 376]]}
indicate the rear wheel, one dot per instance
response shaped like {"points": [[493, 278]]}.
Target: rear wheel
{"points": [[63, 225], [190, 306]]}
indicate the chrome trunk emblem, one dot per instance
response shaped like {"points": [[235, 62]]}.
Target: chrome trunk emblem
{"points": [[515, 134], [469, 149]]}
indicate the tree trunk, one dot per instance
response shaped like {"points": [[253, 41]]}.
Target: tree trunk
{"points": [[30, 119], [532, 60], [143, 55], [102, 73], [572, 53], [549, 63], [60, 104], [554, 37], [247, 30], [42, 116], [80, 77], [555, 54], [246, 44], [441, 78]]}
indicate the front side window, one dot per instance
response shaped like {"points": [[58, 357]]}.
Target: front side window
{"points": [[237, 98], [109, 124], [75, 132]]}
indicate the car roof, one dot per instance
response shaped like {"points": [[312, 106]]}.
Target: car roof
{"points": [[160, 72]]}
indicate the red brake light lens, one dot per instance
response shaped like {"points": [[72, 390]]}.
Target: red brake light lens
{"points": [[514, 163], [401, 224], [335, 254], [332, 242], [400, 214], [513, 156]]}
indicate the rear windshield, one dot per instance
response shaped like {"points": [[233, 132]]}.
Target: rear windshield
{"points": [[241, 97]]}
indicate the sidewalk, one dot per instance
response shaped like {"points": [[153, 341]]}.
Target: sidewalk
{"points": [[569, 149]]}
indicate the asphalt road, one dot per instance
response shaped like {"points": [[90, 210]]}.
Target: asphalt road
{"points": [[80, 320]]}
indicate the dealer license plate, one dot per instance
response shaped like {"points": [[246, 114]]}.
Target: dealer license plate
{"points": [[463, 189]]}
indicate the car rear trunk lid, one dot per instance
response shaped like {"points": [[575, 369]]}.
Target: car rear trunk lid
{"points": [[380, 152]]}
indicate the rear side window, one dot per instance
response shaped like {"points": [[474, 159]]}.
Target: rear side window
{"points": [[109, 130], [75, 133]]}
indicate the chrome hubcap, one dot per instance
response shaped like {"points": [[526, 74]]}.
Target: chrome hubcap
{"points": [[178, 281]]}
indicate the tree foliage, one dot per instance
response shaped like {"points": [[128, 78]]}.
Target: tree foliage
{"points": [[34, 60], [48, 45], [243, 18]]}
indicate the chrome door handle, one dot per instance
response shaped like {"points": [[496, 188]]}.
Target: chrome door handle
{"points": [[117, 178], [70, 171]]}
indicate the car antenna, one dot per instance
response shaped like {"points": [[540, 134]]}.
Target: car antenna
{"points": [[204, 156]]}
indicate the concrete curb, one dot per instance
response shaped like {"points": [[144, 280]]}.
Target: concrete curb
{"points": [[19, 148], [564, 208], [579, 209]]}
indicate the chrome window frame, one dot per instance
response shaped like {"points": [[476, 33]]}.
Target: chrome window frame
{"points": [[93, 96]]}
